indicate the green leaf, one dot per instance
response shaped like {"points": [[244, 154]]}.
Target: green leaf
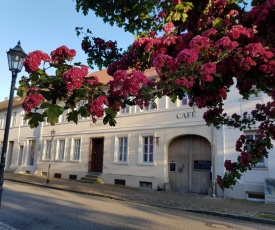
{"points": [[73, 116], [45, 105], [217, 23], [34, 119], [53, 112]]}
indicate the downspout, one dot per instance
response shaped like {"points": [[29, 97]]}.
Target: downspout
{"points": [[213, 163]]}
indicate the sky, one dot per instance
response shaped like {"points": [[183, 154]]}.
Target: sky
{"points": [[46, 25]]}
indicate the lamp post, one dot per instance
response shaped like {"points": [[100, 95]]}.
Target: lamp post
{"points": [[50, 150], [16, 57]]}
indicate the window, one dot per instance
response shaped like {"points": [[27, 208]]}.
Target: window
{"points": [[76, 149], [252, 137], [13, 119], [148, 149], [63, 116], [125, 110], [4, 121], [24, 122], [184, 100], [123, 149], [61, 150], [48, 150], [151, 106], [31, 151]]}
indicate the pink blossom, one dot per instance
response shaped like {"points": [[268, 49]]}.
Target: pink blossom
{"points": [[187, 56], [226, 43], [238, 31], [74, 77], [176, 1], [168, 27], [33, 60], [127, 84], [228, 165], [32, 101], [62, 53], [95, 107], [199, 43], [245, 158]]}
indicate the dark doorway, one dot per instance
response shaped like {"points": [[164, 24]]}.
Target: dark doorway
{"points": [[96, 155]]}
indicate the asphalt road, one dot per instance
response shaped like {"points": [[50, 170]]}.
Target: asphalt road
{"points": [[27, 207]]}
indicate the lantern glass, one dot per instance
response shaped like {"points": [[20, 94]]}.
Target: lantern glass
{"points": [[16, 58]]}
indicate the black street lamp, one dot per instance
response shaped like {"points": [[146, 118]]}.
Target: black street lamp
{"points": [[16, 57], [49, 168]]}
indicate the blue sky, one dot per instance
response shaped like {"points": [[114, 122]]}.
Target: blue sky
{"points": [[46, 25]]}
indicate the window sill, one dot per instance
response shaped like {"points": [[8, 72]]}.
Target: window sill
{"points": [[121, 163], [74, 161], [259, 168], [147, 164]]}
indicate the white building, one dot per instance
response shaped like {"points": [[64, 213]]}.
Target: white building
{"points": [[169, 147]]}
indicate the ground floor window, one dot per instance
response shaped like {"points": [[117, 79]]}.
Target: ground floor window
{"points": [[76, 149], [123, 149], [148, 149], [61, 150], [31, 151], [47, 155]]}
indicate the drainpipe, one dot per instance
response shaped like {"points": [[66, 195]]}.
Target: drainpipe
{"points": [[213, 163]]}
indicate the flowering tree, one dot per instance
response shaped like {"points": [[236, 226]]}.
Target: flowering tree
{"points": [[203, 48]]}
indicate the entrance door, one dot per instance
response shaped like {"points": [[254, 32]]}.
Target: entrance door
{"points": [[190, 164], [96, 155]]}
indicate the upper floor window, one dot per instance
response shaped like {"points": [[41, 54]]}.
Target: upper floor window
{"points": [[148, 149], [125, 110], [152, 105], [4, 121], [184, 100], [13, 119], [252, 137]]}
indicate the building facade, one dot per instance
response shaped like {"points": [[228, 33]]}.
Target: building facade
{"points": [[165, 148]]}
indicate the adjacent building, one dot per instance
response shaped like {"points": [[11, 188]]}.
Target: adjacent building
{"points": [[165, 148]]}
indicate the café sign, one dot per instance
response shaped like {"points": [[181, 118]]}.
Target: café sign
{"points": [[186, 115]]}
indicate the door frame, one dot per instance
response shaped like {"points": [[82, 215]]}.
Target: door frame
{"points": [[91, 156]]}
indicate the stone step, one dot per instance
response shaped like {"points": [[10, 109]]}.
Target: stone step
{"points": [[92, 179]]}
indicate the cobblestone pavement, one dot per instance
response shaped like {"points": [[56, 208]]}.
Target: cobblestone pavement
{"points": [[233, 208], [6, 227]]}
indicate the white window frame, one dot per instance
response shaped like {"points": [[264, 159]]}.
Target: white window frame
{"points": [[4, 121], [150, 106], [59, 149], [125, 153], [30, 149], [141, 152], [24, 122], [72, 158], [125, 110], [47, 150], [13, 119]]}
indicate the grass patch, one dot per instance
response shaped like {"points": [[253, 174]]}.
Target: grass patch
{"points": [[267, 216]]}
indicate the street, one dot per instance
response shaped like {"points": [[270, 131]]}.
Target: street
{"points": [[27, 207]]}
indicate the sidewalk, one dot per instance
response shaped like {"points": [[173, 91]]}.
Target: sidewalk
{"points": [[240, 209]]}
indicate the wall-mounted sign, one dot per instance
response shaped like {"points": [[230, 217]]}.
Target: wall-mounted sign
{"points": [[172, 166], [202, 165], [186, 115]]}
